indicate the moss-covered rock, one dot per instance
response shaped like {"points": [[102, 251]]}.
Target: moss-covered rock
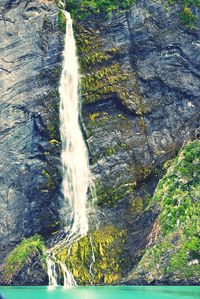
{"points": [[110, 259], [109, 196], [136, 205], [26, 263], [174, 244], [51, 134], [103, 76]]}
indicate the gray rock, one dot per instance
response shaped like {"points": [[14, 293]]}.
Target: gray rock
{"points": [[30, 54], [146, 129], [130, 139]]}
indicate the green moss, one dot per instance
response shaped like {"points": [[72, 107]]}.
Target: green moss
{"points": [[110, 151], [101, 119], [52, 109], [81, 9], [23, 254], [89, 48], [50, 184], [105, 80], [54, 141], [177, 241], [136, 205], [188, 17], [52, 134], [187, 11], [108, 196], [62, 20], [52, 174], [93, 116], [107, 244], [187, 249], [170, 259], [102, 75], [176, 190]]}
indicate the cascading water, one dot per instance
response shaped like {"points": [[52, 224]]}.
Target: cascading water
{"points": [[93, 260], [76, 172]]}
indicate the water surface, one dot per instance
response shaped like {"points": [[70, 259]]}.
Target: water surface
{"points": [[117, 292]]}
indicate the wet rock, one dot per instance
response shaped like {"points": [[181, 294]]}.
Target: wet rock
{"points": [[29, 72]]}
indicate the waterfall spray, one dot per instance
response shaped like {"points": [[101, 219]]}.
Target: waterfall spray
{"points": [[74, 156]]}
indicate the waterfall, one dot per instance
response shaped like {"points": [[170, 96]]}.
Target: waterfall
{"points": [[76, 173], [93, 260], [51, 268], [74, 156]]}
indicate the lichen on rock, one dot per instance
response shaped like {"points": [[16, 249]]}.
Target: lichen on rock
{"points": [[111, 259], [103, 75]]}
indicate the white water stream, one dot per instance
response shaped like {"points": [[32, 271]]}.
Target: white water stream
{"points": [[74, 156], [92, 261], [76, 172]]}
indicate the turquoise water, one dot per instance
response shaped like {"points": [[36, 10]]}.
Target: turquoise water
{"points": [[117, 292]]}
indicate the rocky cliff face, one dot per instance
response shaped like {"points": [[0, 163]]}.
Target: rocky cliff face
{"points": [[29, 72], [144, 92], [140, 92], [172, 253], [140, 105]]}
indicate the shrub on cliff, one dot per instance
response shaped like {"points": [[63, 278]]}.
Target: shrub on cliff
{"points": [[82, 8], [173, 250]]}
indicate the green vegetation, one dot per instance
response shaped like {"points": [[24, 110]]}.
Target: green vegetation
{"points": [[109, 196], [187, 15], [81, 9], [103, 75], [111, 258], [99, 119], [89, 47], [22, 255], [174, 247], [136, 205], [105, 80], [61, 20], [179, 191]]}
